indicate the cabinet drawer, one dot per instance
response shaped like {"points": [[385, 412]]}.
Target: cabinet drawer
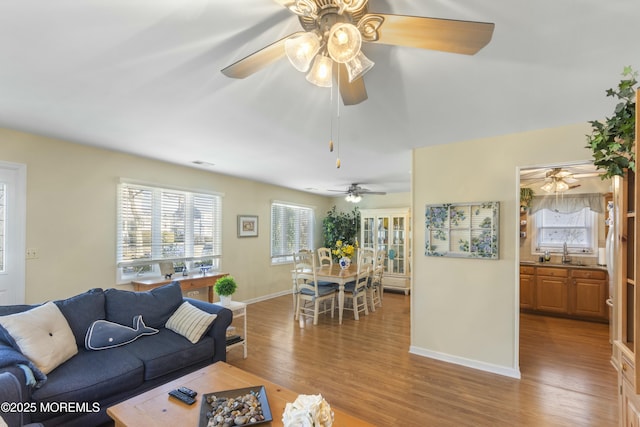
{"points": [[194, 284], [627, 370], [588, 274], [527, 269], [553, 272]]}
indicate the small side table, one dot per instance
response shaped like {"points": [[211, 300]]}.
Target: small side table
{"points": [[239, 309]]}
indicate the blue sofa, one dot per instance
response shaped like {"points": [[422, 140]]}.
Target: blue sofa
{"points": [[93, 380]]}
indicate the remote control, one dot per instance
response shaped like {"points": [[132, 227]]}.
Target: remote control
{"points": [[182, 397], [188, 391]]}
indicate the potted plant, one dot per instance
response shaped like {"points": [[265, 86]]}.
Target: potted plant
{"points": [[612, 140], [225, 287], [526, 196]]}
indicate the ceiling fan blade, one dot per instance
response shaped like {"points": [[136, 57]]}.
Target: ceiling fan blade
{"points": [[354, 92], [257, 60], [447, 35], [381, 193]]}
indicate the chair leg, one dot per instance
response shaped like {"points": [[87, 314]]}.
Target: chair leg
{"points": [[316, 309], [333, 305], [355, 307], [296, 305]]}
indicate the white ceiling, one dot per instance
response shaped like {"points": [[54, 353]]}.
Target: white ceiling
{"points": [[142, 76]]}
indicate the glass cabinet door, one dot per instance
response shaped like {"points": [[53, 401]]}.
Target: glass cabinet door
{"points": [[367, 232]]}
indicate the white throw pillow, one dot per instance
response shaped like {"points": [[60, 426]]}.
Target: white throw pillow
{"points": [[43, 335], [190, 322]]}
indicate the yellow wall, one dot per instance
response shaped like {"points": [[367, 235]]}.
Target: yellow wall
{"points": [[466, 310], [71, 216]]}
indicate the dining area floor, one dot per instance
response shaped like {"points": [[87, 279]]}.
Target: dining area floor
{"points": [[364, 367]]}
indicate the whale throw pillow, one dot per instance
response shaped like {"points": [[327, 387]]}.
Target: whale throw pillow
{"points": [[103, 334]]}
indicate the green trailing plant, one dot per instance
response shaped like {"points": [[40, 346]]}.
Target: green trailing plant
{"points": [[225, 286], [612, 140], [526, 196], [341, 226]]}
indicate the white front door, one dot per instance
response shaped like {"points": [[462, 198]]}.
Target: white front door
{"points": [[13, 196]]}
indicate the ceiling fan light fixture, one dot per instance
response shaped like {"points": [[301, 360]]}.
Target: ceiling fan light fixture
{"points": [[344, 42], [353, 198], [321, 71], [561, 186], [350, 5], [301, 50], [358, 66]]}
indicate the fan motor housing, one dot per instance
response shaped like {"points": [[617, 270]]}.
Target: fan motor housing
{"points": [[328, 16]]}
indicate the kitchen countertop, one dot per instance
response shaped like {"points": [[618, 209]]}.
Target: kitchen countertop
{"points": [[559, 264]]}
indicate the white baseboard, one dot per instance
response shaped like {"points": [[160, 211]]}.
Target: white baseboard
{"points": [[266, 297], [469, 363]]}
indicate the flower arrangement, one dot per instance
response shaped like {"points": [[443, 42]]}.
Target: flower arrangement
{"points": [[308, 411], [343, 250]]}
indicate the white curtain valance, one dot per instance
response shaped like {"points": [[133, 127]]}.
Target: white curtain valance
{"points": [[566, 203]]}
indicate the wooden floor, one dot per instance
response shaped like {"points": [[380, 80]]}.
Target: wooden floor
{"points": [[364, 367]]}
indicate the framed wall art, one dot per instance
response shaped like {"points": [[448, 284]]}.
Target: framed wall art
{"points": [[247, 225], [462, 230]]}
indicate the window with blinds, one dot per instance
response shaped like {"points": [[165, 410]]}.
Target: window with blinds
{"points": [[291, 230], [166, 225]]}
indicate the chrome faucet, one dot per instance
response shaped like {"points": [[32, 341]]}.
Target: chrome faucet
{"points": [[566, 259]]}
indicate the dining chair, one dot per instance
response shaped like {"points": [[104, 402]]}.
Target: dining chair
{"points": [[355, 293], [324, 256], [367, 256], [374, 289], [312, 298], [302, 262]]}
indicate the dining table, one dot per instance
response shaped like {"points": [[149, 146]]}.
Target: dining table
{"points": [[336, 274]]}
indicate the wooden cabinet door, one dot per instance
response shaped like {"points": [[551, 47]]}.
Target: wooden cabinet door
{"points": [[527, 291], [551, 294], [589, 298]]}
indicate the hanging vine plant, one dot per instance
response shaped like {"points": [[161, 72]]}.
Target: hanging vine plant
{"points": [[612, 140]]}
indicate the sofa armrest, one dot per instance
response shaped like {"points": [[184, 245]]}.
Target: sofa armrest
{"points": [[13, 391], [219, 329]]}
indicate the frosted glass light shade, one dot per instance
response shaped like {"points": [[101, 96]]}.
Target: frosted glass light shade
{"points": [[321, 71], [344, 41], [358, 66], [301, 50]]}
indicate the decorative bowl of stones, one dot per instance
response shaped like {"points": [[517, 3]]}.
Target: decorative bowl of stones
{"points": [[241, 406]]}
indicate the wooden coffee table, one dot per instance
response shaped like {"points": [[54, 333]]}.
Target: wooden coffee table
{"points": [[156, 408]]}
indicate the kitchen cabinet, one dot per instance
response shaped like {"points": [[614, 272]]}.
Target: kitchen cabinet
{"points": [[589, 292], [568, 291], [527, 287], [389, 230], [551, 290]]}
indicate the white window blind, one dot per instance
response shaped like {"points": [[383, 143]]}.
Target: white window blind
{"points": [[291, 230], [158, 224]]}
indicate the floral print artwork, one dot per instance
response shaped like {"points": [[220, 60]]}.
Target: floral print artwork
{"points": [[464, 230]]}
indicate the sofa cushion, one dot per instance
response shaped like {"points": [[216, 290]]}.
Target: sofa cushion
{"points": [[43, 335], [92, 375], [81, 311], [166, 352], [103, 334], [190, 322], [155, 306]]}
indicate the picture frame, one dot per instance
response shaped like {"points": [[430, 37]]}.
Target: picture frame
{"points": [[247, 226], [463, 230]]}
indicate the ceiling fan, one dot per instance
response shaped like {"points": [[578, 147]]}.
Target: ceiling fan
{"points": [[355, 191], [334, 31], [558, 180]]}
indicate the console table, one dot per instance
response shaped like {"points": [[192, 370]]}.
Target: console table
{"points": [[187, 283]]}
